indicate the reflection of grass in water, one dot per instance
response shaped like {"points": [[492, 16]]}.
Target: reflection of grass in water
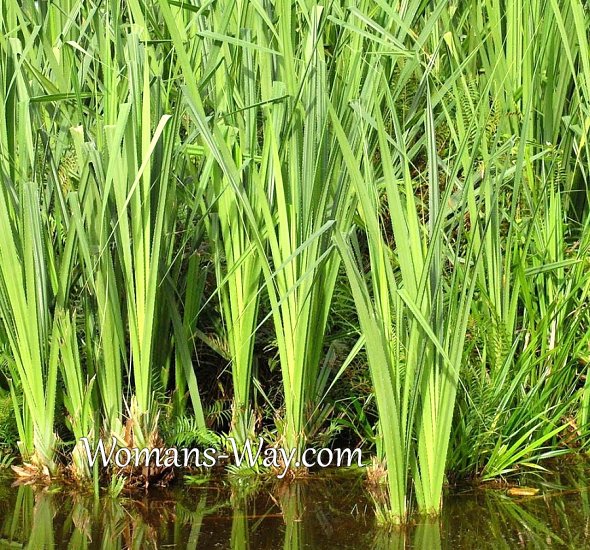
{"points": [[560, 513], [42, 528], [507, 517], [19, 520], [240, 539], [315, 514], [32, 517], [292, 509], [194, 519], [425, 535], [112, 523], [491, 519]]}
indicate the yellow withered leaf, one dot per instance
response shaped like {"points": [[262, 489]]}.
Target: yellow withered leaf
{"points": [[522, 491]]}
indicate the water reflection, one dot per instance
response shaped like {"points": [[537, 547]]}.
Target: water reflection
{"points": [[318, 513]]}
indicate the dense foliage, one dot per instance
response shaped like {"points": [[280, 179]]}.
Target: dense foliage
{"points": [[362, 222]]}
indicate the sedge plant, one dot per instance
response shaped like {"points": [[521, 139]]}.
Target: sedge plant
{"points": [[413, 313]]}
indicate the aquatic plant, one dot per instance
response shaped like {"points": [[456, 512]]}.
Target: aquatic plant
{"points": [[189, 188]]}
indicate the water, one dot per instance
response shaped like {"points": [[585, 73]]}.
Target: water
{"points": [[324, 512]]}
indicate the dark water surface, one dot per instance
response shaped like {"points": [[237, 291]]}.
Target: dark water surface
{"points": [[324, 512]]}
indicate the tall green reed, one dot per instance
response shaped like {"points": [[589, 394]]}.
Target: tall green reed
{"points": [[284, 194], [39, 245], [530, 313], [97, 217], [414, 307], [26, 315]]}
